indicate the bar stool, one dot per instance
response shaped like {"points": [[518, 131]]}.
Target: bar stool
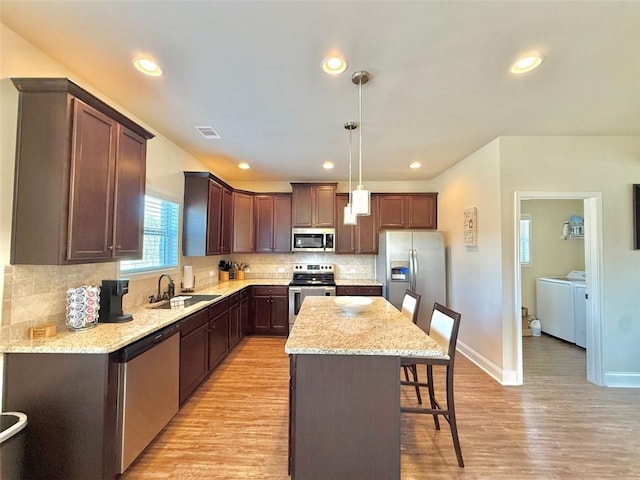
{"points": [[443, 328], [411, 308]]}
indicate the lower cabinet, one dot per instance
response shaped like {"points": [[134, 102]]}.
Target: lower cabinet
{"points": [[363, 290], [244, 311], [235, 320], [218, 332], [270, 310], [194, 352]]}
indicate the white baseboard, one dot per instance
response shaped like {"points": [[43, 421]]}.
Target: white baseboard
{"points": [[622, 379], [503, 377]]}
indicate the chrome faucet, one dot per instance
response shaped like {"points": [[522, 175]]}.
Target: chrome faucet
{"points": [[171, 290]]}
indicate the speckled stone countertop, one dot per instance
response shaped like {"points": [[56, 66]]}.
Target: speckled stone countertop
{"points": [[364, 282], [109, 337], [322, 327]]}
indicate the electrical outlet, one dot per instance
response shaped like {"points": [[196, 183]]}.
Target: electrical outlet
{"points": [[211, 273], [281, 270]]}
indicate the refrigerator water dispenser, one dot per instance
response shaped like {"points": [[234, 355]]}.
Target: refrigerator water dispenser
{"points": [[400, 271]]}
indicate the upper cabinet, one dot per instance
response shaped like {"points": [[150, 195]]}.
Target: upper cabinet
{"points": [[243, 233], [272, 223], [313, 204], [79, 177], [360, 238], [206, 226], [409, 210]]}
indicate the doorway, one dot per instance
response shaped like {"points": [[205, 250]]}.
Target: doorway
{"points": [[593, 268]]}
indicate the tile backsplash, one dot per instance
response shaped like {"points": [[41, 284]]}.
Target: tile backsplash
{"points": [[34, 294]]}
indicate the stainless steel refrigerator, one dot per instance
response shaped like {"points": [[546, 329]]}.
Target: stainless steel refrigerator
{"points": [[413, 260]]}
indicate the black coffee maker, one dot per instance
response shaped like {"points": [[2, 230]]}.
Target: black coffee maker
{"points": [[111, 294]]}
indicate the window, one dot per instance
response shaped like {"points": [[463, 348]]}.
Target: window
{"points": [[525, 240], [160, 237]]}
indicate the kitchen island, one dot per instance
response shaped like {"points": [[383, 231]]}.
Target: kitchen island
{"points": [[344, 416]]}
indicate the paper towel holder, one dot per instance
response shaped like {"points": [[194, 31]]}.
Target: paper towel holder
{"points": [[188, 283]]}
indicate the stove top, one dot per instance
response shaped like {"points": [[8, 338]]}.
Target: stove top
{"points": [[315, 274]]}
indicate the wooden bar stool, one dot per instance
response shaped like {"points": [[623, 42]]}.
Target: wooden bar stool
{"points": [[443, 328], [411, 308]]}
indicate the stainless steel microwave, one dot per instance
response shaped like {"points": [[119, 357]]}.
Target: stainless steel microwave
{"points": [[313, 239]]}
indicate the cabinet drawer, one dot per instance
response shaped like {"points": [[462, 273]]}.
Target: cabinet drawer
{"points": [[192, 322], [218, 308], [368, 291], [270, 290], [234, 299]]}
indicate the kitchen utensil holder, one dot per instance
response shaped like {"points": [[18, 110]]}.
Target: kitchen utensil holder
{"points": [[224, 276]]}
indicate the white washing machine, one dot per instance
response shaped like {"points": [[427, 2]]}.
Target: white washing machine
{"points": [[561, 306]]}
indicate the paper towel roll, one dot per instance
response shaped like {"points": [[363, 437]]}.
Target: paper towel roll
{"points": [[187, 277]]}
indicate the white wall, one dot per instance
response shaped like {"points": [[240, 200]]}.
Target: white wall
{"points": [[481, 281], [474, 281], [584, 164]]}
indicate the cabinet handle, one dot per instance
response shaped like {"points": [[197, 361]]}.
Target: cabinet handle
{"points": [[118, 247], [110, 247]]}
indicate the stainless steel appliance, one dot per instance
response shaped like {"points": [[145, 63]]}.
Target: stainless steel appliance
{"points": [[148, 391], [309, 280], [313, 239], [413, 260]]}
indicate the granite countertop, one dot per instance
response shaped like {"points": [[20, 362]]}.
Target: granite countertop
{"points": [[322, 328], [109, 337], [364, 282]]}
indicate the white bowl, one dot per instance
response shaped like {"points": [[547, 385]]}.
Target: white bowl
{"points": [[353, 305]]}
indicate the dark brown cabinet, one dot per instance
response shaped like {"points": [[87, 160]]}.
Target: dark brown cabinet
{"points": [[226, 227], [218, 332], [244, 311], [410, 210], [206, 228], [361, 238], [313, 205], [243, 234], [359, 290], [194, 352], [80, 177], [270, 310], [235, 319], [272, 223]]}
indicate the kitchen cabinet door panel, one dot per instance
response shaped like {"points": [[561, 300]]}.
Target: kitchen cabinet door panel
{"points": [[218, 339], [324, 208], [194, 361], [302, 206], [130, 189], [261, 314], [92, 184], [214, 218], [411, 210], [392, 211], [272, 223], [264, 208], [226, 233], [243, 223], [422, 211], [280, 314], [282, 223], [345, 234]]}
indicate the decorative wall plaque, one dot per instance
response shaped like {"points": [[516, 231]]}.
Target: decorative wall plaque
{"points": [[471, 227]]}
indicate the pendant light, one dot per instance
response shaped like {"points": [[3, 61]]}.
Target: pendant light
{"points": [[361, 198], [350, 218]]}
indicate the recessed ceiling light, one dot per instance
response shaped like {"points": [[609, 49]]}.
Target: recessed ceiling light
{"points": [[147, 66], [327, 165], [415, 165], [333, 65], [526, 63], [244, 166]]}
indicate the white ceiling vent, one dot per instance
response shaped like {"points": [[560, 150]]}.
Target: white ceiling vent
{"points": [[209, 133]]}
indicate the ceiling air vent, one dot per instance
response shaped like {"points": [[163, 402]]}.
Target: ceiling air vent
{"points": [[209, 133]]}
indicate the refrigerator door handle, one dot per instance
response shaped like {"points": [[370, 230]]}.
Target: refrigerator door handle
{"points": [[412, 270], [415, 269]]}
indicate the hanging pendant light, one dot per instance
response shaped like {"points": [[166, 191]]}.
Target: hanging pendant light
{"points": [[361, 197], [350, 218]]}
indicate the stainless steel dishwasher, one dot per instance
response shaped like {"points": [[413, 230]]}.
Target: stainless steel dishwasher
{"points": [[148, 391]]}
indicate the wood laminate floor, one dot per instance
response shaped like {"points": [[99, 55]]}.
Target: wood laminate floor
{"points": [[556, 426]]}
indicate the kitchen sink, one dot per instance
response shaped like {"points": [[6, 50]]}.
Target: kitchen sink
{"points": [[166, 304]]}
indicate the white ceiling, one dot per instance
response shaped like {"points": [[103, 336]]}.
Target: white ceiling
{"points": [[440, 85]]}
